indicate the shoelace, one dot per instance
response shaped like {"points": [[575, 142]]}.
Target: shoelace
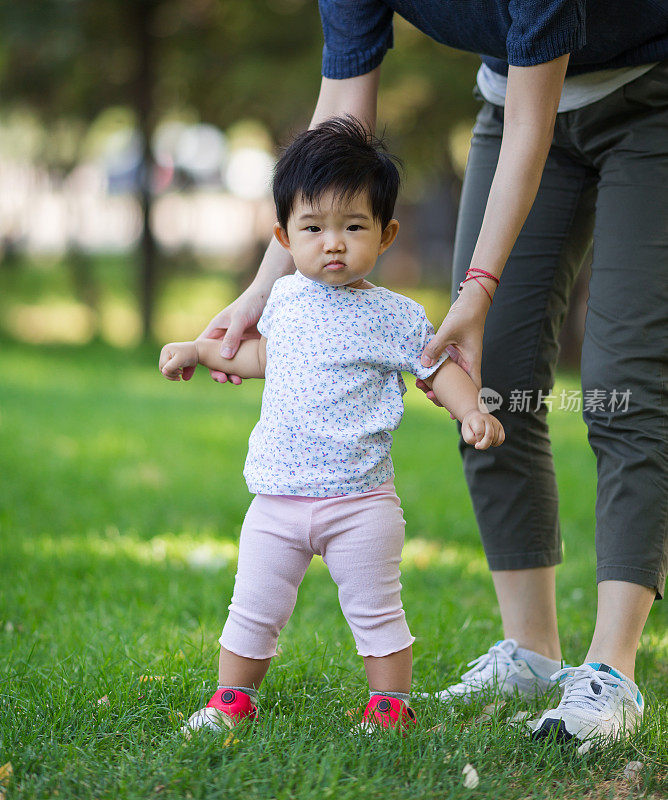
{"points": [[489, 662], [579, 691]]}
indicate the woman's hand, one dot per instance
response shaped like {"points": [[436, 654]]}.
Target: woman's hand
{"points": [[233, 324], [460, 336]]}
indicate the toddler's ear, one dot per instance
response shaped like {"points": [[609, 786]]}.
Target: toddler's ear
{"points": [[282, 235], [388, 235]]}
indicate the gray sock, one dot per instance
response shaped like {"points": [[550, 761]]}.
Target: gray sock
{"points": [[252, 693], [405, 697], [541, 665]]}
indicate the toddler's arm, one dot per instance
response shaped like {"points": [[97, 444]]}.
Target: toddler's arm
{"points": [[249, 361], [455, 390]]}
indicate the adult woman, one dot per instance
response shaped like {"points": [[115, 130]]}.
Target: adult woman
{"points": [[600, 172]]}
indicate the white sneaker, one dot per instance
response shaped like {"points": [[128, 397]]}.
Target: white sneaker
{"points": [[227, 708], [599, 704], [499, 671], [209, 718]]}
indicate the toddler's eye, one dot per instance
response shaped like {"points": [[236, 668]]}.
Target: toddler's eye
{"points": [[354, 227], [313, 229]]}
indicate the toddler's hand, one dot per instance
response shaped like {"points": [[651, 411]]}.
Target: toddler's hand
{"points": [[175, 357], [482, 430]]}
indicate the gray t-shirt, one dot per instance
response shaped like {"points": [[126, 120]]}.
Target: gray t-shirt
{"points": [[578, 91]]}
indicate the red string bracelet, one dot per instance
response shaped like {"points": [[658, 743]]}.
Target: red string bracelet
{"points": [[480, 273]]}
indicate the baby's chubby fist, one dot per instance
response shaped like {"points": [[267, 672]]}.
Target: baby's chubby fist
{"points": [[177, 356], [482, 430]]}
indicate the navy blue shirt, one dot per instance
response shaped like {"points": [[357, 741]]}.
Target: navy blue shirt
{"points": [[599, 34]]}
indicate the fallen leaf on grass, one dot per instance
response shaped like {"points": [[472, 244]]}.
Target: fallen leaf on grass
{"points": [[620, 789], [447, 726], [6, 772], [489, 712], [355, 713], [103, 701], [230, 741], [522, 720], [438, 728], [632, 770], [471, 779], [149, 678]]}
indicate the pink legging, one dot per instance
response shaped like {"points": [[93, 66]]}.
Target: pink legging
{"points": [[359, 537]]}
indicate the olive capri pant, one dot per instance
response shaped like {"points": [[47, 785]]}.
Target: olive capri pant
{"points": [[605, 187]]}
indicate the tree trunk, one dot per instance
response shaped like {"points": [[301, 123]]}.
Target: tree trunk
{"points": [[148, 254]]}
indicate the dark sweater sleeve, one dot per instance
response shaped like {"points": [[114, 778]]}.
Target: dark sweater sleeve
{"points": [[357, 34], [542, 30]]}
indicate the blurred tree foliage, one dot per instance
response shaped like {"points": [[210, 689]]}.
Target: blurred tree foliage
{"points": [[224, 60]]}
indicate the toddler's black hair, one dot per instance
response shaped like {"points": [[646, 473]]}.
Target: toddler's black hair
{"points": [[339, 155]]}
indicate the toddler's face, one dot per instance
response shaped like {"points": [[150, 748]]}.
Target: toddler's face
{"points": [[336, 243]]}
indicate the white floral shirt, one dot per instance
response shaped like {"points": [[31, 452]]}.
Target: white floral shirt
{"points": [[333, 387]]}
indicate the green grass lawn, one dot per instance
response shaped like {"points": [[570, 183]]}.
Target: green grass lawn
{"points": [[121, 501]]}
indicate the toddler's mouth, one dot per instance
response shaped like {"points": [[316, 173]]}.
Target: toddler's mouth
{"points": [[335, 265]]}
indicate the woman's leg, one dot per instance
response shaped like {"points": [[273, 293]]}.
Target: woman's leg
{"points": [[622, 612], [528, 608], [624, 389], [625, 361], [513, 487]]}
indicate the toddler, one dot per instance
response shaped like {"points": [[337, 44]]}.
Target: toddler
{"points": [[331, 351]]}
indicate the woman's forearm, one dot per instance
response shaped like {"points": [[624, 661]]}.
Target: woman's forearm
{"points": [[357, 96], [276, 263], [514, 188], [532, 100]]}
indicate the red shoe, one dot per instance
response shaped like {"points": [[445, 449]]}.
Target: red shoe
{"points": [[227, 708], [387, 712]]}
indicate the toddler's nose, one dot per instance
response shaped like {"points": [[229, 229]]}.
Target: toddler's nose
{"points": [[333, 244]]}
